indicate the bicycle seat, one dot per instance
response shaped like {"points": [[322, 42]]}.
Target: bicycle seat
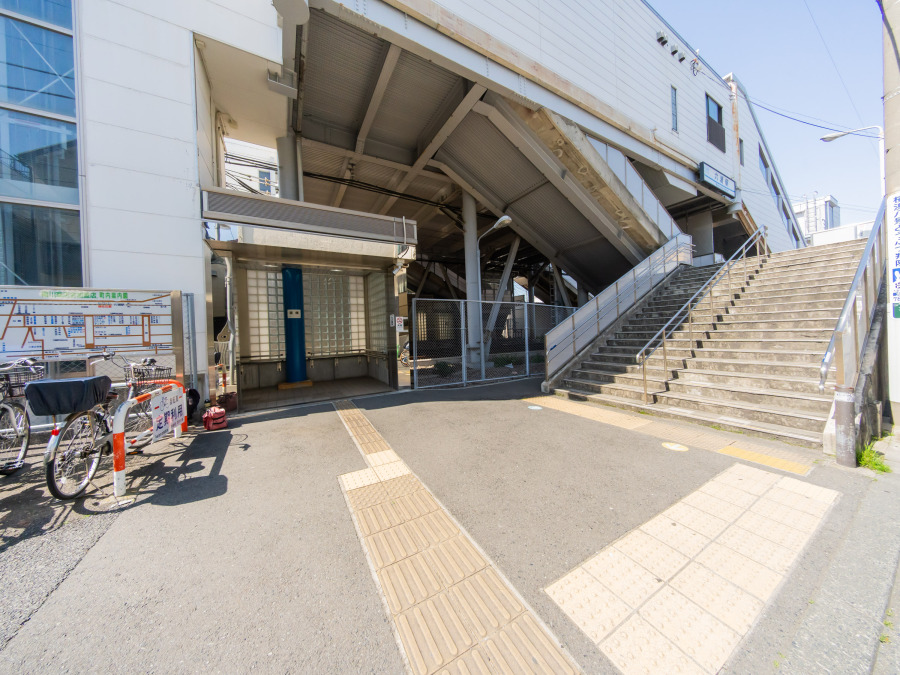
{"points": [[61, 397]]}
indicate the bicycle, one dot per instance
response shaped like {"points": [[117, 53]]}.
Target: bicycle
{"points": [[15, 427], [89, 404]]}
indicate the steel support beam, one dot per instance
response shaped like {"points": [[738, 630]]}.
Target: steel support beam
{"points": [[437, 140], [561, 285], [504, 287], [508, 124], [473, 273]]}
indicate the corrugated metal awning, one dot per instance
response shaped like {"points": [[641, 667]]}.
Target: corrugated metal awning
{"points": [[239, 208]]}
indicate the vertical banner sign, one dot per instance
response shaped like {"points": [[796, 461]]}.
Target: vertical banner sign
{"points": [[168, 413], [893, 251]]}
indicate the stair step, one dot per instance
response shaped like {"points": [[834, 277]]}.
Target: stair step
{"points": [[759, 380], [730, 393], [741, 410], [810, 439], [780, 368]]}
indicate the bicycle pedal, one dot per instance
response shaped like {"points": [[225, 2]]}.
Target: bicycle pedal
{"points": [[135, 452]]}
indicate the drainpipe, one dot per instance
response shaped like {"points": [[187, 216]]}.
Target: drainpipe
{"points": [[229, 315]]}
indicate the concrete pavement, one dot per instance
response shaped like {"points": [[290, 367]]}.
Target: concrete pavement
{"points": [[240, 551]]}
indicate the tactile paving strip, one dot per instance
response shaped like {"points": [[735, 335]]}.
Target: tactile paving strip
{"points": [[677, 594], [453, 612]]}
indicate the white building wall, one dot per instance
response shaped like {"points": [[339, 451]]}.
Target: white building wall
{"points": [[139, 135]]}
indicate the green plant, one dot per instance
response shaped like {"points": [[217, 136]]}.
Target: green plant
{"points": [[884, 639], [888, 624], [872, 459], [443, 369], [537, 358], [507, 360]]}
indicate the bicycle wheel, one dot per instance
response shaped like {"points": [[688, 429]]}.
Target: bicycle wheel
{"points": [[77, 457], [14, 434], [139, 425]]}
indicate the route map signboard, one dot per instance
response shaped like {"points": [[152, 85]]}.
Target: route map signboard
{"points": [[64, 323]]}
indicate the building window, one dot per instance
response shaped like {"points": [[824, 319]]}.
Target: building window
{"points": [[265, 302], [37, 67], [57, 12], [741, 147], [39, 246], [38, 158], [715, 132], [674, 109]]}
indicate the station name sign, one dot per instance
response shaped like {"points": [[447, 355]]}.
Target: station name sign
{"points": [[717, 180]]}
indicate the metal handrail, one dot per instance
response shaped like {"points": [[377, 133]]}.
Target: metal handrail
{"points": [[707, 288], [873, 252], [583, 326]]}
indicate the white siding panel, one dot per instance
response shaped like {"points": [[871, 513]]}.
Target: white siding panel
{"points": [[134, 109], [144, 193], [117, 147], [159, 76], [250, 25], [116, 230]]}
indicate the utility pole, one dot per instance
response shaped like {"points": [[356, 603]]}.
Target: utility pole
{"points": [[890, 10]]}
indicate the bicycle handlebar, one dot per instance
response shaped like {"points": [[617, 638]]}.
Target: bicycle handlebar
{"points": [[12, 365]]}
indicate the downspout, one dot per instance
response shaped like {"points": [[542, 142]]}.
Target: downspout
{"points": [[229, 316]]}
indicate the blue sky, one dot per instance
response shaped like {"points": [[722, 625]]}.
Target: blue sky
{"points": [[775, 51]]}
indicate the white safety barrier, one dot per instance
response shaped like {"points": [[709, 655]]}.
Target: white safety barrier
{"points": [[119, 431]]}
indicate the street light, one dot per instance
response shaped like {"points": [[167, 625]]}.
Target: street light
{"points": [[499, 224], [841, 134]]}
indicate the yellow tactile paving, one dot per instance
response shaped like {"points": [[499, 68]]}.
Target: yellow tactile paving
{"points": [[677, 594], [765, 458], [453, 612], [693, 437]]}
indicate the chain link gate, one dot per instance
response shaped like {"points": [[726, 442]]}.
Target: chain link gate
{"points": [[507, 340]]}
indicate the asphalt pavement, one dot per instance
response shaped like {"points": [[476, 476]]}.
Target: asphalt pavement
{"points": [[239, 552]]}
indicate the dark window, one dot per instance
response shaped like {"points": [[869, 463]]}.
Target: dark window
{"points": [[57, 12], [39, 159], [741, 144], [41, 246], [37, 67], [674, 109], [715, 132]]}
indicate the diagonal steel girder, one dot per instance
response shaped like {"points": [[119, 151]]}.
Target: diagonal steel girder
{"points": [[461, 176], [515, 131]]}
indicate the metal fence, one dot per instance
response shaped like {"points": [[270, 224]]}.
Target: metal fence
{"points": [[460, 342]]}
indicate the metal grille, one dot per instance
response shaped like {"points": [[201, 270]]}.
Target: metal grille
{"points": [[334, 307], [266, 314], [511, 345], [221, 205]]}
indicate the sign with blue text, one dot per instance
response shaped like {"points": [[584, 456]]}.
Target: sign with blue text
{"points": [[167, 413], [892, 223], [717, 180]]}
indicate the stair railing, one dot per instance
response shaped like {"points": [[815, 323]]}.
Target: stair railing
{"points": [[757, 242], [567, 339], [847, 343]]}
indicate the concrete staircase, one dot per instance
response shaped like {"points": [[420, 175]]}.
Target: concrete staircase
{"points": [[754, 368]]}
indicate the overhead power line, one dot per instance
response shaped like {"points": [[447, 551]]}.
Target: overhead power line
{"points": [[833, 62]]}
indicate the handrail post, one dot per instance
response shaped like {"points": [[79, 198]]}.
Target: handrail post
{"points": [[665, 357], [617, 298], [634, 284], [644, 373], [574, 337]]}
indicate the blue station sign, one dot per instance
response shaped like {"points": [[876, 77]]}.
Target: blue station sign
{"points": [[717, 180]]}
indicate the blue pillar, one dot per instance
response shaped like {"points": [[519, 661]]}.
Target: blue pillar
{"points": [[294, 324]]}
